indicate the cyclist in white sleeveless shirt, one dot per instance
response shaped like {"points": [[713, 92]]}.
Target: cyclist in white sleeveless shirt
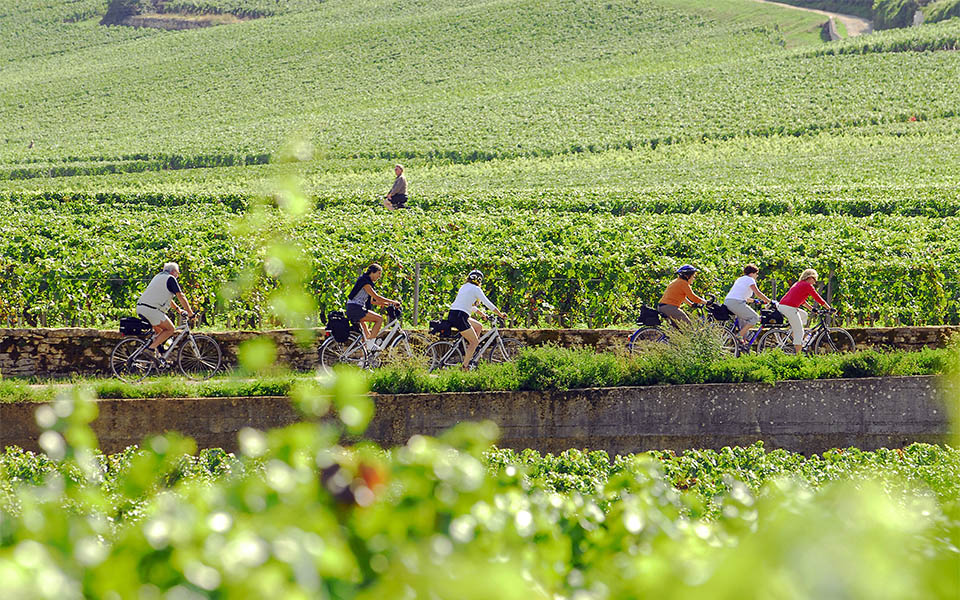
{"points": [[463, 306], [155, 301]]}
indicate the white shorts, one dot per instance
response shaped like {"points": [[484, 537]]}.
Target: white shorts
{"points": [[153, 315]]}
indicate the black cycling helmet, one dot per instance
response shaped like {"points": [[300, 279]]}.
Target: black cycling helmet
{"points": [[687, 270], [475, 276]]}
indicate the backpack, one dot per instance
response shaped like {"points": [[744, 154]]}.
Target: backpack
{"points": [[771, 316], [648, 316], [441, 328], [136, 326], [339, 326], [719, 312]]}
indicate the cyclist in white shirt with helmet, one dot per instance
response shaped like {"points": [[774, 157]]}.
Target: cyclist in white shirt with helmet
{"points": [[463, 306], [156, 300]]}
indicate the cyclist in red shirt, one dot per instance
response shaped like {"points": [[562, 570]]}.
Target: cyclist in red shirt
{"points": [[796, 297]]}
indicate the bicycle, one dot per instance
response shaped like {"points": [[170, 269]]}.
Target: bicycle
{"points": [[651, 330], [768, 318], [198, 356], [393, 343], [821, 339], [446, 353]]}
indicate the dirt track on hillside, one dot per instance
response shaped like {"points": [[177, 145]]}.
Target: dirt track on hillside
{"points": [[855, 25]]}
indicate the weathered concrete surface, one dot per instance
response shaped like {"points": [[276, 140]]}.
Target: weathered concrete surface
{"points": [[65, 352], [803, 416]]}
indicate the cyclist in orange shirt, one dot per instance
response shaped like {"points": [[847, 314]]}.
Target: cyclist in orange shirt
{"points": [[678, 291]]}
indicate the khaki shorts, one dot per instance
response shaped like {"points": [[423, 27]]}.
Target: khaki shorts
{"points": [[153, 315]]}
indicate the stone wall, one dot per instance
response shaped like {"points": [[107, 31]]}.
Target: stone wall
{"points": [[65, 352], [802, 416]]}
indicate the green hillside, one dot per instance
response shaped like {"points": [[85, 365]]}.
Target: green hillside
{"points": [[542, 128]]}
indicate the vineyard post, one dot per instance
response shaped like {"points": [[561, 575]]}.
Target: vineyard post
{"points": [[830, 287], [416, 295]]}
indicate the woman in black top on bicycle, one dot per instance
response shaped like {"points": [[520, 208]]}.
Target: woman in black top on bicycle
{"points": [[359, 300]]}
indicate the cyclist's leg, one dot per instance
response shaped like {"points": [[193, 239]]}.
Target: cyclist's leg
{"points": [[674, 315], [372, 322], [746, 315], [796, 324], [162, 325], [473, 340]]}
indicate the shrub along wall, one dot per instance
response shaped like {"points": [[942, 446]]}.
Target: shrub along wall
{"points": [[72, 351]]}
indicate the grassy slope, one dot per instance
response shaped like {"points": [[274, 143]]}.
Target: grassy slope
{"points": [[370, 77]]}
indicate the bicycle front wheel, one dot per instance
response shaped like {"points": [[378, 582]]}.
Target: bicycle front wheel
{"points": [[350, 352], [834, 341], [199, 357], [645, 336], [398, 351], [128, 361], [508, 351], [776, 339], [444, 354]]}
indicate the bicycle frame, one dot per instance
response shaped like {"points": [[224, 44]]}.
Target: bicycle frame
{"points": [[181, 331], [486, 340], [393, 335]]}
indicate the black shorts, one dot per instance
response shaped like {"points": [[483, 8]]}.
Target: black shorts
{"points": [[355, 312], [398, 200], [459, 320]]}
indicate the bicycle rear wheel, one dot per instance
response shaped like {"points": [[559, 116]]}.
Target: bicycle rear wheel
{"points": [[645, 336], [833, 341], [199, 357], [776, 339], [511, 347], [350, 352], [128, 361], [731, 347], [444, 354]]}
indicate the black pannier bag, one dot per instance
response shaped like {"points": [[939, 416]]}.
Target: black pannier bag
{"points": [[441, 328], [135, 326], [771, 316], [648, 316], [719, 312], [338, 326]]}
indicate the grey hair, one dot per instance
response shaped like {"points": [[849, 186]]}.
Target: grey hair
{"points": [[170, 267]]}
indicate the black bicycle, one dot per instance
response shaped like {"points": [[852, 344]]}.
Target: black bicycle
{"points": [[822, 339]]}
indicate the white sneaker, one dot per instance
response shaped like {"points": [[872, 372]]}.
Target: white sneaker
{"points": [[372, 345]]}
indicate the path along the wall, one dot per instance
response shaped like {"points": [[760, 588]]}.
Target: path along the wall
{"points": [[802, 416], [73, 351]]}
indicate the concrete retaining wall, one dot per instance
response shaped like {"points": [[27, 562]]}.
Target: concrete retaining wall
{"points": [[803, 416], [71, 351]]}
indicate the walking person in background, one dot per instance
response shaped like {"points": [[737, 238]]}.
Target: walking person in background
{"points": [[677, 291], [743, 289], [796, 297], [359, 302], [156, 300], [397, 196]]}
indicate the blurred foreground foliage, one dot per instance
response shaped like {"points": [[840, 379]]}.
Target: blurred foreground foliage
{"points": [[298, 514]]}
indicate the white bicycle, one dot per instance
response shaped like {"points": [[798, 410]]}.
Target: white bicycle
{"points": [[492, 346], [349, 347], [197, 356]]}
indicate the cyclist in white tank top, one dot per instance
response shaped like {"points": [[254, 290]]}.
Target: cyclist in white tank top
{"points": [[156, 300]]}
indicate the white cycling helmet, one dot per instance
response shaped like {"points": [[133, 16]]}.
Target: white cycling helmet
{"points": [[475, 276]]}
